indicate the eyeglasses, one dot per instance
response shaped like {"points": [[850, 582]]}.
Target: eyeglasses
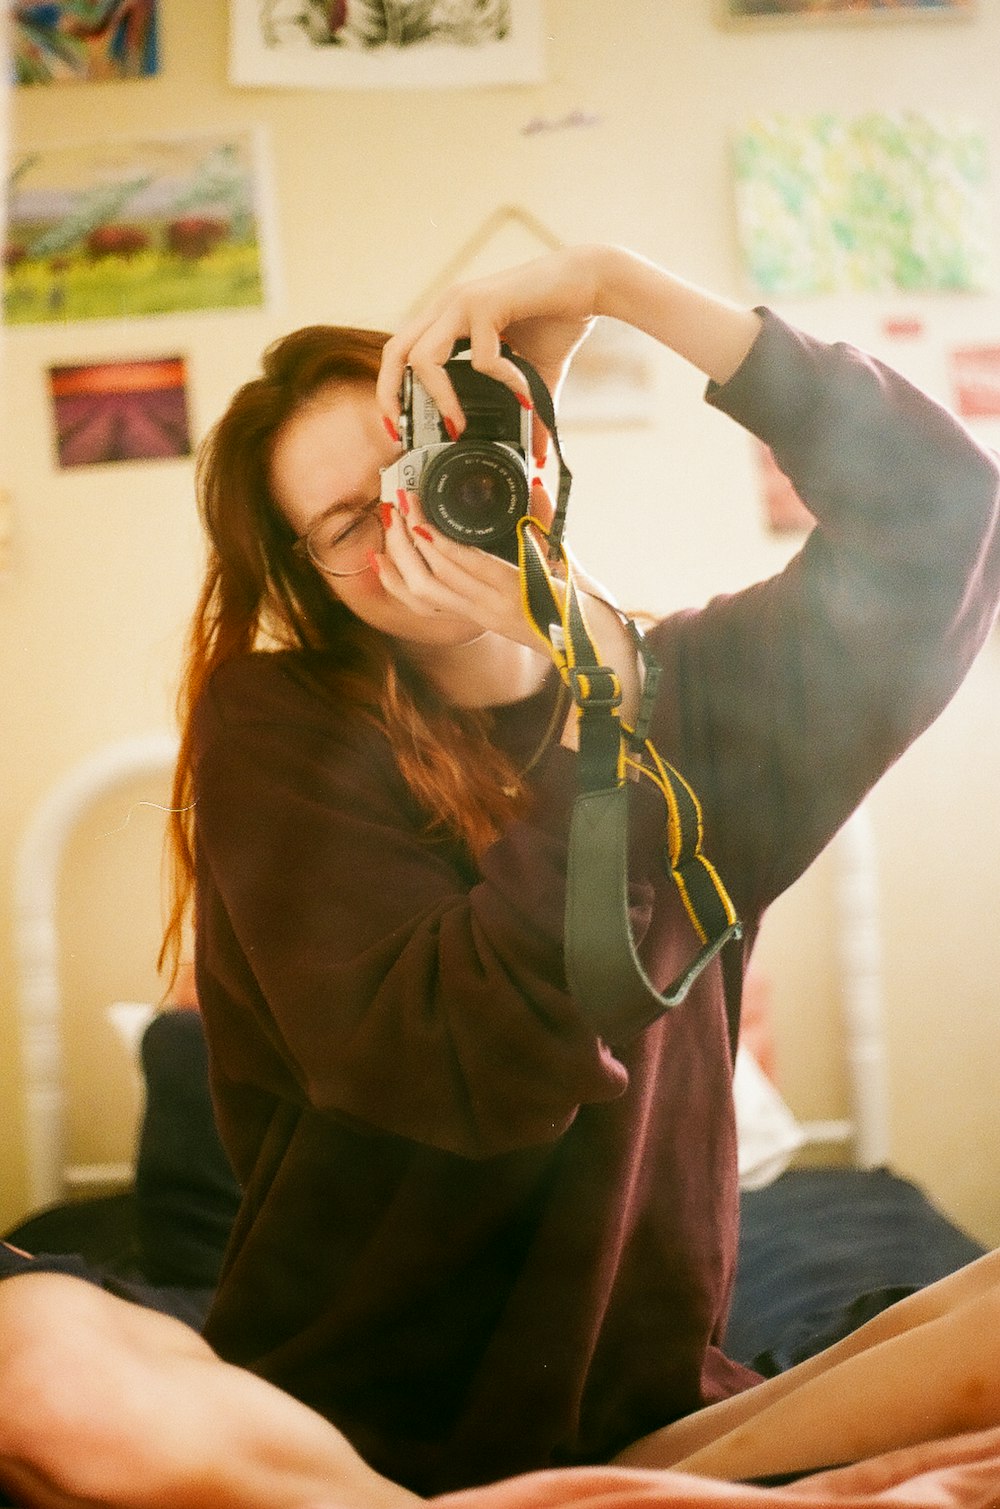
{"points": [[339, 550]]}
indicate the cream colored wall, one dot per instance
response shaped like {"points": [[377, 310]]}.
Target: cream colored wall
{"points": [[373, 194]]}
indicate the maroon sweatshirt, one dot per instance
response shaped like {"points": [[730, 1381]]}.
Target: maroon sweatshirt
{"points": [[477, 1236]]}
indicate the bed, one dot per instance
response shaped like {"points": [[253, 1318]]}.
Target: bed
{"points": [[822, 1248]]}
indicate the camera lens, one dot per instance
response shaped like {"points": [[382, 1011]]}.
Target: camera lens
{"points": [[475, 492]]}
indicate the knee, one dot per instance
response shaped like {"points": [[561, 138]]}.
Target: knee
{"points": [[53, 1337], [974, 1328]]}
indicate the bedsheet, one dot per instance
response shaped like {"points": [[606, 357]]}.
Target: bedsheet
{"points": [[962, 1473]]}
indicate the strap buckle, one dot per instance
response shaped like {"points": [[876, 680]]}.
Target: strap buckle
{"points": [[594, 686]]}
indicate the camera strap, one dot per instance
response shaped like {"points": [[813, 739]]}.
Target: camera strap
{"points": [[603, 968]]}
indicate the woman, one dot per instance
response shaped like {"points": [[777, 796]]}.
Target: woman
{"points": [[477, 1235]]}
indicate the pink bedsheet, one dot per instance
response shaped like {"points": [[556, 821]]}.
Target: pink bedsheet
{"points": [[962, 1473]]}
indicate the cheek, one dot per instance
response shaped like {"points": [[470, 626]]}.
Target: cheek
{"points": [[355, 591]]}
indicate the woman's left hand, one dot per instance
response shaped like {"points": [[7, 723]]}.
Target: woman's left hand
{"points": [[433, 575]]}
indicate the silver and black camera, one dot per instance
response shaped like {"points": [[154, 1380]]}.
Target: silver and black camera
{"points": [[476, 488]]}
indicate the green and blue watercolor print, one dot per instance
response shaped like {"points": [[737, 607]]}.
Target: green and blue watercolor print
{"points": [[875, 203]]}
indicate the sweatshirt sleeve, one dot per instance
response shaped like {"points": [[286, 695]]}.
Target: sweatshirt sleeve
{"points": [[409, 992], [788, 701]]}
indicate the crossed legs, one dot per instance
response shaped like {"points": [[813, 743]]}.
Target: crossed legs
{"points": [[102, 1402]]}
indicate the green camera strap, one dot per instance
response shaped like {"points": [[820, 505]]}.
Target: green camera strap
{"points": [[603, 968]]}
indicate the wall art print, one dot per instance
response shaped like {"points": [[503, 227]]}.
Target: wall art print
{"points": [[873, 203], [975, 373], [75, 41], [130, 410], [749, 12], [385, 44], [116, 230]]}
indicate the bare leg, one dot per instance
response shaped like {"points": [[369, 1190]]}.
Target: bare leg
{"points": [[925, 1369], [104, 1402]]}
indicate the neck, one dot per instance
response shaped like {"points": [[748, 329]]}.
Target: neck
{"points": [[486, 671]]}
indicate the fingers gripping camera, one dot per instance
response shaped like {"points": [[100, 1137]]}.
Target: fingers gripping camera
{"points": [[476, 488]]}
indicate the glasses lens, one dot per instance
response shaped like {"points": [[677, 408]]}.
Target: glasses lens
{"points": [[341, 551]]}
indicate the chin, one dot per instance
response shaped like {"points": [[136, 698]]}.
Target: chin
{"points": [[440, 634]]}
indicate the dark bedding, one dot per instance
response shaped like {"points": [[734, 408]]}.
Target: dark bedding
{"points": [[162, 1240], [821, 1249]]}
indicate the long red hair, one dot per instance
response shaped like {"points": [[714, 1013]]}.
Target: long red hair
{"points": [[259, 593]]}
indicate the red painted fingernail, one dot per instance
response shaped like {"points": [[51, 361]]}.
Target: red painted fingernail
{"points": [[451, 427], [424, 534], [373, 562], [386, 512], [402, 501], [537, 482], [390, 428], [525, 403]]}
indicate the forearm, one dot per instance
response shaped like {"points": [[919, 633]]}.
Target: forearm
{"points": [[711, 332]]}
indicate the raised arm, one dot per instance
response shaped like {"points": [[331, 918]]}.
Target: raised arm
{"points": [[544, 309]]}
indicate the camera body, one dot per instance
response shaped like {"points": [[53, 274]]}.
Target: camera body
{"points": [[476, 488]]}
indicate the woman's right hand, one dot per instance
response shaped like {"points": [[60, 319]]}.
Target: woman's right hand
{"points": [[542, 310]]}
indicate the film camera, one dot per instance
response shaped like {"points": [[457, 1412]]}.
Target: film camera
{"points": [[476, 488]]}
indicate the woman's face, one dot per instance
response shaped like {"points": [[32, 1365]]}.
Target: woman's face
{"points": [[325, 465]]}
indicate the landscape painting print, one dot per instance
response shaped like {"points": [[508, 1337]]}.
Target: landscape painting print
{"points": [[385, 44], [112, 231], [83, 40], [120, 411]]}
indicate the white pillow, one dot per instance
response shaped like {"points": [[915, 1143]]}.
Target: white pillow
{"points": [[130, 1020], [768, 1134]]}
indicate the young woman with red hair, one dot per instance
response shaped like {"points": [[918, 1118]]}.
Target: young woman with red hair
{"points": [[478, 1234]]}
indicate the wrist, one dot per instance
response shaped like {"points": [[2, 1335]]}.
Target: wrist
{"points": [[607, 267]]}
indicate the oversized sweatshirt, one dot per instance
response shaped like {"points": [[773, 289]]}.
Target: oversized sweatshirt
{"points": [[478, 1235]]}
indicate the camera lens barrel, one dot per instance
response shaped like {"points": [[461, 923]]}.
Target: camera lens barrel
{"points": [[475, 491]]}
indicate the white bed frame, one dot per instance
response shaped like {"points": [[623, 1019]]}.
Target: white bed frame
{"points": [[39, 861], [36, 895]]}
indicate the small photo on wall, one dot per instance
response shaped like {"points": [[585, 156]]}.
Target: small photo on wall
{"points": [[975, 372], [386, 44], [83, 41], [610, 382], [115, 230], [131, 410]]}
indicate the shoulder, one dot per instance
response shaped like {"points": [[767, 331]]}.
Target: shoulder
{"points": [[280, 700], [274, 719], [274, 686]]}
